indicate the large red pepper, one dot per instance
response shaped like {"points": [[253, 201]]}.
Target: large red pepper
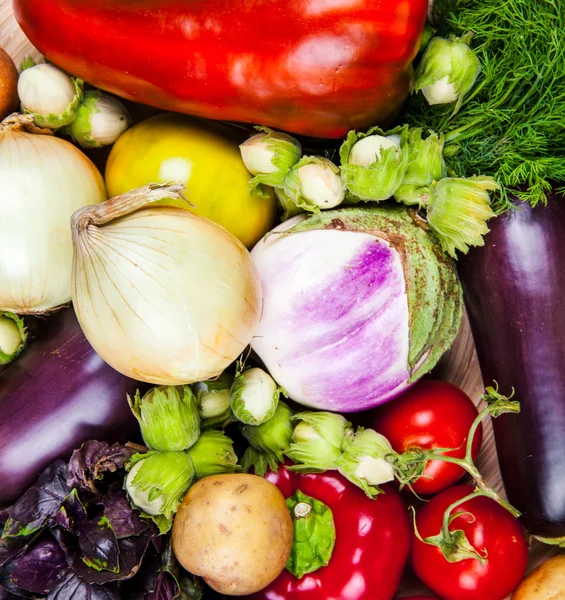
{"points": [[372, 542], [315, 67]]}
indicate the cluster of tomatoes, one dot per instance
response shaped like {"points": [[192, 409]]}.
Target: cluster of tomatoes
{"points": [[435, 414]]}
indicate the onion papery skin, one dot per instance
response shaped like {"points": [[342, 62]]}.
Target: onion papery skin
{"points": [[165, 296], [359, 303], [43, 181]]}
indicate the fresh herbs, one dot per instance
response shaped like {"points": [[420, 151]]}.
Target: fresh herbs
{"points": [[512, 123], [75, 536]]}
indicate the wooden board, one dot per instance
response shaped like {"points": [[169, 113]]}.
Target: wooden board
{"points": [[459, 365]]}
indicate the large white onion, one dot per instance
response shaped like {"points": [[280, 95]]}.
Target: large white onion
{"points": [[43, 181], [163, 295]]}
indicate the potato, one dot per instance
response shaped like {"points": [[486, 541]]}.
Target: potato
{"points": [[547, 582], [235, 531]]}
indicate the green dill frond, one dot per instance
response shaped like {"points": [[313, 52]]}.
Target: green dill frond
{"points": [[512, 124]]}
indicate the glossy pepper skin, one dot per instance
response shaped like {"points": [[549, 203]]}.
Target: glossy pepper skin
{"points": [[313, 67], [371, 547]]}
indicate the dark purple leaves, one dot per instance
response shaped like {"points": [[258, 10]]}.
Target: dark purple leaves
{"points": [[40, 503], [10, 548], [124, 519], [98, 545], [131, 552], [80, 543], [92, 460], [39, 567], [71, 587]]}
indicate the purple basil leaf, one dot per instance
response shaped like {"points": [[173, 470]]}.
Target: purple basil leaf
{"points": [[131, 554], [164, 589], [7, 583], [92, 460], [10, 548], [39, 567], [190, 587], [71, 587], [144, 582], [124, 519], [187, 587], [72, 513], [40, 503], [98, 545]]}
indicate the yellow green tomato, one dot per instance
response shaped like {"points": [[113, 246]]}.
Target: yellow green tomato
{"points": [[172, 147]]}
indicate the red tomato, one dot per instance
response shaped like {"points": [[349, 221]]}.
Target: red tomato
{"points": [[491, 528], [431, 414]]}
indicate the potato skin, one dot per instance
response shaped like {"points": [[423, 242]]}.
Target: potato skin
{"points": [[547, 582], [235, 531]]}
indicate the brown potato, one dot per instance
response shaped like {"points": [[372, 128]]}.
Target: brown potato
{"points": [[235, 531], [8, 85], [547, 582]]}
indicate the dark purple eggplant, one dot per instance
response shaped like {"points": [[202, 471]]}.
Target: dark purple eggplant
{"points": [[514, 289], [56, 396]]}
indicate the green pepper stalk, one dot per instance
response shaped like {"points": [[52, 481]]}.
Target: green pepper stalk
{"points": [[314, 183], [13, 337], [269, 155], [458, 211], [314, 534], [99, 121], [157, 483], [168, 417], [373, 164], [318, 441], [426, 165], [254, 396], [364, 462], [213, 398], [213, 454], [50, 95], [269, 441], [447, 71]]}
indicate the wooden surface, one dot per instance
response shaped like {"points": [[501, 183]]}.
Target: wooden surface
{"points": [[458, 366]]}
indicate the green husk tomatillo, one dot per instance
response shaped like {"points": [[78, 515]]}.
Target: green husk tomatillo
{"points": [[373, 164], [318, 441], [269, 441], [314, 183], [458, 210], [13, 337], [269, 155], [157, 482], [213, 398], [448, 70], [50, 95], [364, 461], [99, 121], [254, 396], [213, 454], [168, 417], [426, 165]]}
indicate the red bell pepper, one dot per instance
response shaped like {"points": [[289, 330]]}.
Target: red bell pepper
{"points": [[372, 542], [315, 67]]}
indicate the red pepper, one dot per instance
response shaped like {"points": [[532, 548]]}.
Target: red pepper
{"points": [[315, 67], [371, 546]]}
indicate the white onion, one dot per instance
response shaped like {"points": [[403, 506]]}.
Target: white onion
{"points": [[43, 181], [163, 295]]}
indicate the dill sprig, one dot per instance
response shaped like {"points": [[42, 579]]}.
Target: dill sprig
{"points": [[512, 124]]}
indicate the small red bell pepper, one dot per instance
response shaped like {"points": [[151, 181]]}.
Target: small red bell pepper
{"points": [[315, 67], [372, 542]]}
